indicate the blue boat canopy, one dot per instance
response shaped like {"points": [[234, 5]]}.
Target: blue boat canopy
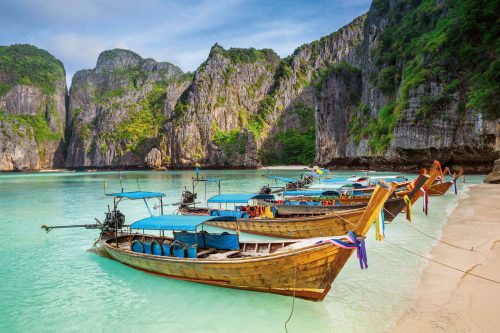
{"points": [[176, 222], [337, 180], [213, 180], [311, 193], [137, 195], [283, 179], [306, 193], [238, 198]]}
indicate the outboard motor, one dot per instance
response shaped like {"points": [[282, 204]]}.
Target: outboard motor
{"points": [[308, 179], [188, 197], [265, 190], [113, 219]]}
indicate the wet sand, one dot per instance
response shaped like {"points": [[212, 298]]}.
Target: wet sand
{"points": [[451, 301]]}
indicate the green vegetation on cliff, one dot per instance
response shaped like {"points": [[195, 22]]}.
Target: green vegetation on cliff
{"points": [[379, 130], [144, 121], [29, 65], [246, 55], [454, 43], [37, 123], [293, 145]]}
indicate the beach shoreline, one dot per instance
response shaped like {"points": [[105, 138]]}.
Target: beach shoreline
{"points": [[452, 301]]}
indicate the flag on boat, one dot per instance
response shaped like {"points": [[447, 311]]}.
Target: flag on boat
{"points": [[197, 167]]}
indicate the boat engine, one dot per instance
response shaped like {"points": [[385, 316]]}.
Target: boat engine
{"points": [[308, 179], [188, 197], [114, 219], [265, 190]]}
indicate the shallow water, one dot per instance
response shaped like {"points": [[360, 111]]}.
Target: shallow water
{"points": [[51, 283]]}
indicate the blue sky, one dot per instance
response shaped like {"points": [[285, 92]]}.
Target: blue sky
{"points": [[180, 32]]}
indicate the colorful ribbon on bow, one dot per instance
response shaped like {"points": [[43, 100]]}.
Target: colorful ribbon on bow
{"points": [[408, 207], [380, 226], [440, 171], [425, 207], [454, 180], [352, 243]]}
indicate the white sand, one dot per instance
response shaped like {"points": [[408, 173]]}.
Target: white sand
{"points": [[451, 301]]}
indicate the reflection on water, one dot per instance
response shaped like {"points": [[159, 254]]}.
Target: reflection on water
{"points": [[50, 282]]}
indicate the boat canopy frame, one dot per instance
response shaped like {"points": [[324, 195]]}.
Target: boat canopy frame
{"points": [[164, 223], [196, 180]]}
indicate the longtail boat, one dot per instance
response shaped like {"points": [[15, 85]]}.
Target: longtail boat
{"points": [[265, 220], [392, 207], [440, 187], [301, 268], [434, 172]]}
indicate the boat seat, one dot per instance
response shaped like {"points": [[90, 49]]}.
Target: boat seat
{"points": [[202, 253], [221, 256]]}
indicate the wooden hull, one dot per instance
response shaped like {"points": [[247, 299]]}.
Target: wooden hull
{"points": [[297, 227], [440, 188], [392, 208], [305, 270]]}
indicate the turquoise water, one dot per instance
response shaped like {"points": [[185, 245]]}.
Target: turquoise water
{"points": [[52, 283]]}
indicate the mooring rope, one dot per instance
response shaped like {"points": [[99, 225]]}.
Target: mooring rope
{"points": [[293, 299], [343, 219], [443, 264], [439, 240]]}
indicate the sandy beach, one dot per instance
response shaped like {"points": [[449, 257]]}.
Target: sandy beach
{"points": [[451, 301]]}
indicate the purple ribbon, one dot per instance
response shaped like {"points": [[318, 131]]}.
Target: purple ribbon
{"points": [[354, 244]]}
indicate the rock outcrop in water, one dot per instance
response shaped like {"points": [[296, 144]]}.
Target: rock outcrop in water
{"points": [[494, 176], [32, 109], [406, 83]]}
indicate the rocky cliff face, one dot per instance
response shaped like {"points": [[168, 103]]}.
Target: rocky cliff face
{"points": [[246, 106], [32, 109], [116, 109], [422, 95], [212, 121]]}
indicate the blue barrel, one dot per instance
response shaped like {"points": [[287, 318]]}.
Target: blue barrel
{"points": [[192, 251], [137, 246], [147, 248], [156, 248], [166, 249], [179, 252]]}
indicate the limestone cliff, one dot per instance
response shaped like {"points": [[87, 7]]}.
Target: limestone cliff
{"points": [[246, 106], [429, 89], [116, 109], [32, 109]]}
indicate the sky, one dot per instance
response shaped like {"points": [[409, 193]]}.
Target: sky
{"points": [[180, 32]]}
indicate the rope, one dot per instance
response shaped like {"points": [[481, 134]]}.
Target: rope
{"points": [[443, 264], [293, 299], [387, 211], [343, 219], [439, 240]]}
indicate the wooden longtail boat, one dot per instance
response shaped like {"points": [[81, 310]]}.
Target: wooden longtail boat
{"points": [[392, 207], [307, 226], [268, 222], [440, 188], [302, 268], [434, 172]]}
